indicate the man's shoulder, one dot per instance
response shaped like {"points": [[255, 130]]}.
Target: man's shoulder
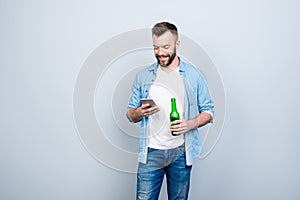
{"points": [[190, 68], [146, 70]]}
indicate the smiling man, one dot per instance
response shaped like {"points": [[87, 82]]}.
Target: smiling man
{"points": [[162, 153]]}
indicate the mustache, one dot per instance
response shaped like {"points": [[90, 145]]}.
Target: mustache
{"points": [[162, 56]]}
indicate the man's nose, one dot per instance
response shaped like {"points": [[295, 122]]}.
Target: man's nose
{"points": [[160, 51]]}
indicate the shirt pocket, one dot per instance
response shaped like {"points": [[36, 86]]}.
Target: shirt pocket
{"points": [[145, 90]]}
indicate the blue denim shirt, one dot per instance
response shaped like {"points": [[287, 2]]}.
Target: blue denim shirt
{"points": [[197, 100]]}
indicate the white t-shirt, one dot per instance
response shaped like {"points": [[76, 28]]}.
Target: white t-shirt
{"points": [[166, 86]]}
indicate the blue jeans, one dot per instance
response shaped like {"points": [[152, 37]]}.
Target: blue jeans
{"points": [[159, 163]]}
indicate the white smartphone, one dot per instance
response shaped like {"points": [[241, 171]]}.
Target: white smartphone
{"points": [[149, 101]]}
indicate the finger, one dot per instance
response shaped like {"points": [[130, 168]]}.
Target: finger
{"points": [[146, 105], [176, 122], [153, 110], [144, 111], [178, 127], [156, 108], [175, 128]]}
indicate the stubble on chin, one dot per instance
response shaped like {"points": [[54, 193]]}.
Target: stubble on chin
{"points": [[168, 62]]}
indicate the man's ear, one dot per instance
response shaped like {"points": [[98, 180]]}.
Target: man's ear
{"points": [[177, 44]]}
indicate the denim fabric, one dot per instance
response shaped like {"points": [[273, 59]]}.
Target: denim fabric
{"points": [[197, 100], [159, 163]]}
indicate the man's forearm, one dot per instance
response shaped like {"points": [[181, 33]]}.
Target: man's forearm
{"points": [[134, 115], [201, 120]]}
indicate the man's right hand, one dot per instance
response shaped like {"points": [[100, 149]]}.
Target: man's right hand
{"points": [[136, 114]]}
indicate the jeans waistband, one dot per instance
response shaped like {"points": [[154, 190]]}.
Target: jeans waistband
{"points": [[150, 149]]}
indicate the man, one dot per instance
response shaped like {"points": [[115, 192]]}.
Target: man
{"points": [[161, 153]]}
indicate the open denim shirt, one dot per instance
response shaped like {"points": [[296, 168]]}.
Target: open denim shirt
{"points": [[197, 100]]}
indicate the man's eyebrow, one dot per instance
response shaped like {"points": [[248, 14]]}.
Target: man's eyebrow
{"points": [[166, 45]]}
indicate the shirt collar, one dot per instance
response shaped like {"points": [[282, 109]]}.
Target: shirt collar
{"points": [[181, 65]]}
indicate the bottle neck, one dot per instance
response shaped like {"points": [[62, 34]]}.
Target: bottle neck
{"points": [[173, 103]]}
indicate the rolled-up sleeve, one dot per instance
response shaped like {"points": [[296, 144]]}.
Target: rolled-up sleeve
{"points": [[205, 102], [134, 100]]}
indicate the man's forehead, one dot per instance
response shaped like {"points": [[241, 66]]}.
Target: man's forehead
{"points": [[167, 38], [165, 34]]}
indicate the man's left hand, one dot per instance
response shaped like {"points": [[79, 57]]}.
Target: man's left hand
{"points": [[182, 126]]}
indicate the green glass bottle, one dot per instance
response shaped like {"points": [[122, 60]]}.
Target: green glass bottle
{"points": [[174, 115]]}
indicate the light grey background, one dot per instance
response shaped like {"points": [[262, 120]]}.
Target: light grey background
{"points": [[254, 44]]}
